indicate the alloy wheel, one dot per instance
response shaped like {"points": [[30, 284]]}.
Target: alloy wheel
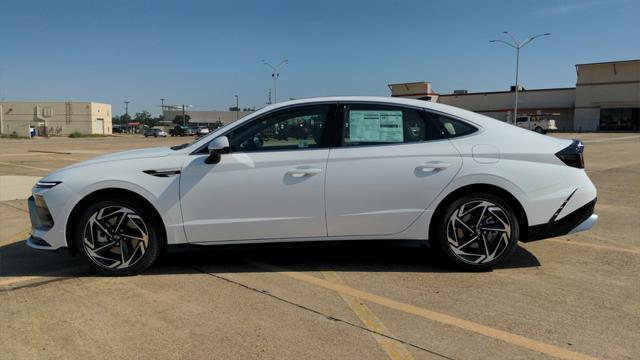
{"points": [[478, 232], [115, 237]]}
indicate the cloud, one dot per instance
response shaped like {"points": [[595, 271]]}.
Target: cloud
{"points": [[566, 9]]}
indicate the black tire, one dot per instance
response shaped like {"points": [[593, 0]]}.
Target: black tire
{"points": [[125, 229], [491, 247], [540, 130]]}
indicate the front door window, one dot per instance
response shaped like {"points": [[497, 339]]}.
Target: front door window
{"points": [[291, 129]]}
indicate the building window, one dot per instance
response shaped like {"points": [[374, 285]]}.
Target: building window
{"points": [[620, 119]]}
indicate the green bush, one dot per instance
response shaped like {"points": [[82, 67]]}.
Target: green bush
{"points": [[77, 134]]}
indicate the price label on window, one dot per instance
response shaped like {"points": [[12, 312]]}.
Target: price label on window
{"points": [[375, 126]]}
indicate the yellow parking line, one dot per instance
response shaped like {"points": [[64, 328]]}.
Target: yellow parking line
{"points": [[15, 237], [394, 349], [596, 246], [442, 318], [25, 166]]}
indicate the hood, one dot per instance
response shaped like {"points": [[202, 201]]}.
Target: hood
{"points": [[122, 155], [133, 154]]}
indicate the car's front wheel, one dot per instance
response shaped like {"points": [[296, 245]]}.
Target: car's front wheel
{"points": [[118, 237], [477, 232]]}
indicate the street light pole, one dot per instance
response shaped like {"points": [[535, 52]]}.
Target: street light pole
{"points": [[126, 111], [518, 45], [275, 74], [162, 104], [237, 107]]}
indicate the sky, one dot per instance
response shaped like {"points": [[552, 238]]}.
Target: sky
{"points": [[202, 53]]}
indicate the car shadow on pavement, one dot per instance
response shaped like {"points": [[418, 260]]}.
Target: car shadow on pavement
{"points": [[17, 259]]}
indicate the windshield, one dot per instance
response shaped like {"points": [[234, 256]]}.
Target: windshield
{"points": [[213, 133]]}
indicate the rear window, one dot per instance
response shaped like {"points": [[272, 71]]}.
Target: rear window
{"points": [[453, 127]]}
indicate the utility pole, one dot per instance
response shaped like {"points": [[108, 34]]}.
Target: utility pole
{"points": [[275, 75], [183, 116], [269, 97], [518, 45], [162, 104], [237, 107], [126, 111]]}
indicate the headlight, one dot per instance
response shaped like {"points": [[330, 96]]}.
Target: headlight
{"points": [[47, 184]]}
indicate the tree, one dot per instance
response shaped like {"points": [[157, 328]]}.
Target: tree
{"points": [[179, 120], [218, 124], [234, 108], [124, 119], [249, 109], [145, 118]]}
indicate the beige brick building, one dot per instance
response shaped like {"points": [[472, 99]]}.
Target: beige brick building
{"points": [[606, 97], [55, 118]]}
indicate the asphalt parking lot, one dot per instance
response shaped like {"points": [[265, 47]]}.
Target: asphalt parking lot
{"points": [[576, 296]]}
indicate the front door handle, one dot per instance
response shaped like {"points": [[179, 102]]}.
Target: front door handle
{"points": [[433, 165], [303, 172]]}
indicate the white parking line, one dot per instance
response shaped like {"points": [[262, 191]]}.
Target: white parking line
{"points": [[26, 166], [73, 271], [611, 139]]}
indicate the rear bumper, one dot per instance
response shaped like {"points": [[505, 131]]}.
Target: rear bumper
{"points": [[581, 219]]}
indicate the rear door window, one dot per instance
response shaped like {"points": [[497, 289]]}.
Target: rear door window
{"points": [[366, 125]]}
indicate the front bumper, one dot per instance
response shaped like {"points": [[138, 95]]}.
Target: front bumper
{"points": [[41, 222], [48, 209], [579, 220]]}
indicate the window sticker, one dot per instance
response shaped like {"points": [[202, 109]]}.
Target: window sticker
{"points": [[375, 126]]}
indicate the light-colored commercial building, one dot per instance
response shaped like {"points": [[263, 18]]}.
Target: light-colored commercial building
{"points": [[559, 103], [606, 97], [50, 118], [205, 117]]}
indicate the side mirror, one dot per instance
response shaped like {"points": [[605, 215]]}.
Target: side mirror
{"points": [[216, 147]]}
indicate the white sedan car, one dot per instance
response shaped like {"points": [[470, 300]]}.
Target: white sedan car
{"points": [[338, 168]]}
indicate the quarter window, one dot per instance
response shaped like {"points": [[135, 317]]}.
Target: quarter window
{"points": [[381, 124], [452, 127], [290, 129]]}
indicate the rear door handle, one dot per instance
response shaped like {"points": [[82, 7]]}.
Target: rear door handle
{"points": [[433, 165], [303, 172]]}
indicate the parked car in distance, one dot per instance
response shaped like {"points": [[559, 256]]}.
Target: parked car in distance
{"points": [[355, 168], [538, 123], [154, 132], [181, 130], [202, 130]]}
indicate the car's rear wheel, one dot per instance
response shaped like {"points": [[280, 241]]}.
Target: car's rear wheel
{"points": [[540, 130], [118, 237], [477, 232]]}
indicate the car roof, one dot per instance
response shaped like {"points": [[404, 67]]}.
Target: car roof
{"points": [[425, 104], [477, 119]]}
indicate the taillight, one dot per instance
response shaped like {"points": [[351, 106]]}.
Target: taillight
{"points": [[572, 155]]}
